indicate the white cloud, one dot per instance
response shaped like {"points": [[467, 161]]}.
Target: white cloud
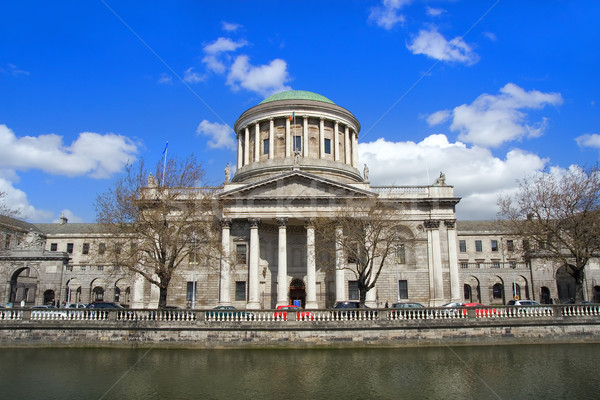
{"points": [[221, 135], [214, 50], [387, 15], [438, 117], [263, 79], [192, 77], [15, 71], [230, 26], [434, 12], [492, 120], [589, 140], [16, 199], [165, 79], [432, 44], [490, 35], [92, 154], [478, 176]]}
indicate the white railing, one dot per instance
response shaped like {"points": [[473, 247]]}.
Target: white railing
{"points": [[400, 189], [301, 316]]}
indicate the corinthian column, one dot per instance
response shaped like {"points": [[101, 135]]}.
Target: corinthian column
{"points": [[288, 141], [336, 143], [311, 269], [271, 136], [253, 295], [256, 142], [240, 151], [322, 138], [282, 297], [305, 140], [246, 146], [455, 291], [436, 283], [225, 278]]}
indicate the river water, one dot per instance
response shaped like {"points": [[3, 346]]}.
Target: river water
{"points": [[485, 372]]}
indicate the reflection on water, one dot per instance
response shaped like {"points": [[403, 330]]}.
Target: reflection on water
{"points": [[494, 372]]}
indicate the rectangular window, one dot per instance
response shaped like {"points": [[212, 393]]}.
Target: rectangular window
{"points": [[241, 252], [53, 246], [86, 248], [478, 246], [70, 248], [240, 291], [462, 246], [297, 143], [510, 245], [101, 248], [266, 146], [403, 289], [400, 254], [327, 146], [494, 245], [353, 293], [191, 291]]}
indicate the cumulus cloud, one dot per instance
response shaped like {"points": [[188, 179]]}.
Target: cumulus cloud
{"points": [[263, 79], [16, 199], [434, 45], [214, 51], [388, 14], [190, 76], [92, 154], [434, 12], [16, 71], [438, 117], [230, 26], [478, 176], [165, 79], [492, 120], [221, 135], [589, 140]]}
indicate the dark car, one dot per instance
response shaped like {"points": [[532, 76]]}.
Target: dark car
{"points": [[229, 313], [408, 305], [350, 310], [105, 304]]}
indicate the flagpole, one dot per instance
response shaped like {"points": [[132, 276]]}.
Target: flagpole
{"points": [[165, 163]]}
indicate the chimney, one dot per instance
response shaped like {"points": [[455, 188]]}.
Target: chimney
{"points": [[63, 219]]}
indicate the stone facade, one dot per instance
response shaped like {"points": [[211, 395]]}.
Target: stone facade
{"points": [[297, 160]]}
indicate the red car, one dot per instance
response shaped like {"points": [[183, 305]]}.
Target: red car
{"points": [[300, 315], [481, 311]]}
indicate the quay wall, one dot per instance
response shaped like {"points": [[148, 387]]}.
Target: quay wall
{"points": [[205, 333]]}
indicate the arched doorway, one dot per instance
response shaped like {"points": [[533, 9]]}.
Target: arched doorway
{"points": [[596, 294], [49, 297], [565, 284], [23, 286], [545, 295], [298, 292]]}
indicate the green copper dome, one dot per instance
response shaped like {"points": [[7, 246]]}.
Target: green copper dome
{"points": [[297, 95]]}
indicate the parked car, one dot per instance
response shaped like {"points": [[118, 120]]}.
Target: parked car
{"points": [[229, 312], [408, 305], [300, 315], [522, 303], [75, 305], [47, 312], [105, 304], [349, 309]]}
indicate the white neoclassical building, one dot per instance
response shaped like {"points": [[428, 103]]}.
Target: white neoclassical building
{"points": [[297, 161]]}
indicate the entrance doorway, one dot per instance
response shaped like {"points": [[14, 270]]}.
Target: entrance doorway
{"points": [[565, 283], [23, 286], [298, 292]]}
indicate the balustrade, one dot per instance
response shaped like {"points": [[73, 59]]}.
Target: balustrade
{"points": [[301, 316]]}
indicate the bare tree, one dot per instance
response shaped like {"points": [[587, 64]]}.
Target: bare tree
{"points": [[560, 217], [6, 210], [365, 233], [158, 221]]}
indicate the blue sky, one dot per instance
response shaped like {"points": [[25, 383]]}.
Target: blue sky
{"points": [[486, 91]]}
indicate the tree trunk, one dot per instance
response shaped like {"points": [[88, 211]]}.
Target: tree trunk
{"points": [[162, 298]]}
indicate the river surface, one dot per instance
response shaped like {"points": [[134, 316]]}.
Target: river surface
{"points": [[490, 372]]}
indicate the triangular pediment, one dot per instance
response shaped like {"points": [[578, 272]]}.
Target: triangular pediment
{"points": [[296, 184]]}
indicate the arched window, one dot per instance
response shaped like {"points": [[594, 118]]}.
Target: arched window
{"points": [[497, 291], [468, 293], [98, 293]]}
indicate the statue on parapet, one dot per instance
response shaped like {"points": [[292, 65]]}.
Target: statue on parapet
{"points": [[227, 173], [151, 181], [441, 180], [366, 173]]}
